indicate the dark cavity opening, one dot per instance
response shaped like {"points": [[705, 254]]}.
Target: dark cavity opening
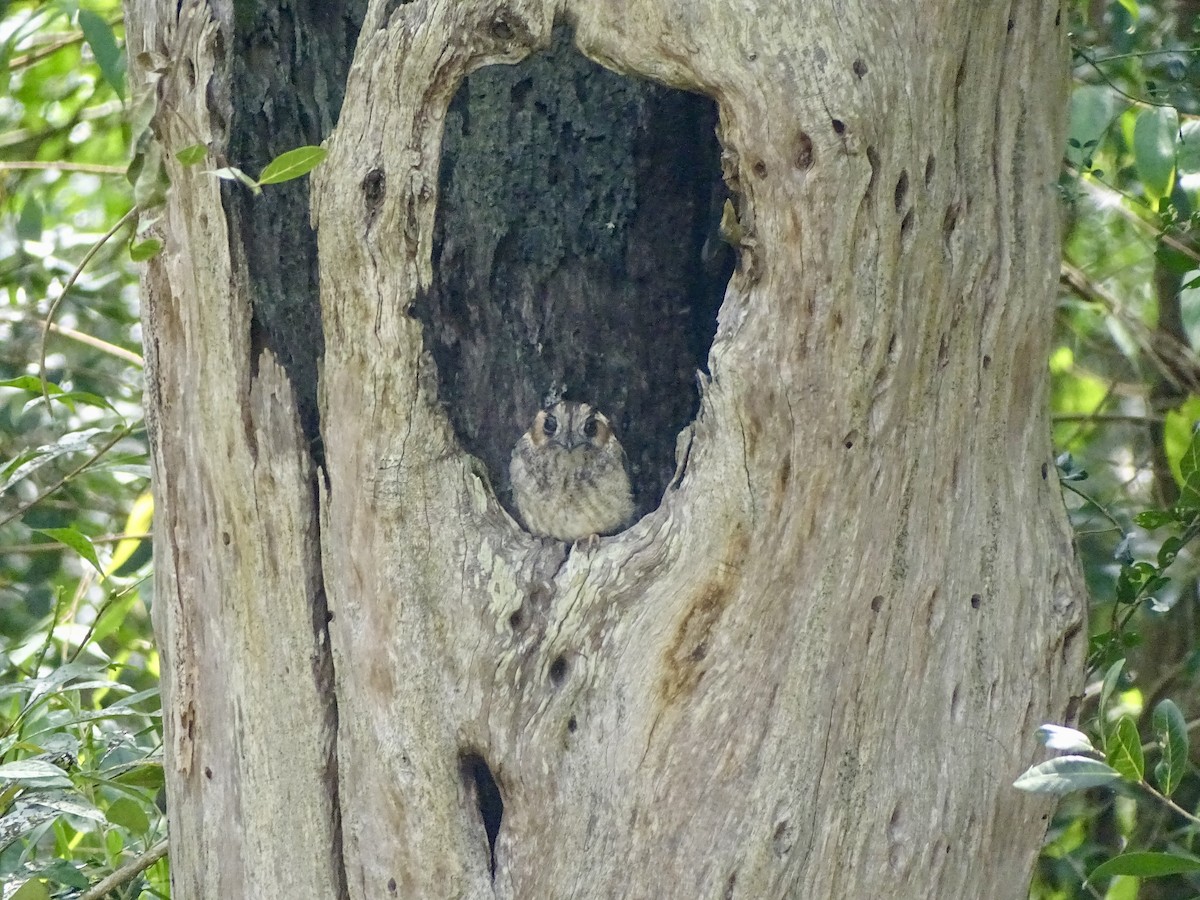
{"points": [[577, 255], [486, 793]]}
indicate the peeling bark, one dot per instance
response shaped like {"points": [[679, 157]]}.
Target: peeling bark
{"points": [[813, 669]]}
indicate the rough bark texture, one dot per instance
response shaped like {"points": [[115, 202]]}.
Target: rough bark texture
{"points": [[813, 670], [249, 709]]}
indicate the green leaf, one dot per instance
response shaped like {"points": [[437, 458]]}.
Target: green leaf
{"points": [[30, 224], [1170, 730], [64, 873], [1168, 551], [1068, 740], [1155, 518], [1188, 158], [1124, 750], [292, 164], [103, 42], [1066, 774], [1111, 678], [190, 156], [1154, 138], [1131, 7], [1146, 865], [140, 251], [1091, 111], [76, 442], [32, 384], [33, 889], [34, 773], [76, 540], [128, 813]]}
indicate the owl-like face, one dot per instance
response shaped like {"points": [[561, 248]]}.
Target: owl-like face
{"points": [[568, 475], [570, 426]]}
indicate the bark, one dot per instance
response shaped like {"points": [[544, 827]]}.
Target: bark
{"points": [[813, 669]]}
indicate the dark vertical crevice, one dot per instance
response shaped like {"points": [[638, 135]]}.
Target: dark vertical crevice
{"points": [[288, 67], [484, 790]]}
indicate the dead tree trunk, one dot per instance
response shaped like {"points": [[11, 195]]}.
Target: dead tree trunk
{"points": [[813, 667]]}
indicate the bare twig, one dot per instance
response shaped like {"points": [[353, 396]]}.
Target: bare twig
{"points": [[87, 257], [126, 873]]}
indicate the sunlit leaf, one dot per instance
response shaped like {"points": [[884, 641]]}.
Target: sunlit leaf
{"points": [[292, 164], [76, 540], [140, 251], [1123, 750], [190, 156], [1154, 138], [129, 814], [1066, 774], [1170, 730], [34, 773], [1146, 865], [1058, 737], [109, 58]]}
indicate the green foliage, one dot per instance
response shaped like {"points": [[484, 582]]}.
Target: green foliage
{"points": [[1126, 395], [80, 727]]}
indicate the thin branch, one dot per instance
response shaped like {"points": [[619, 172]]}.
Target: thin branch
{"points": [[111, 349], [1113, 85], [126, 873], [1107, 194], [1141, 53], [87, 257], [1106, 417], [54, 546], [87, 463], [85, 168]]}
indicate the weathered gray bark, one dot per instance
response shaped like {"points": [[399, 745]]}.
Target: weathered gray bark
{"points": [[812, 671]]}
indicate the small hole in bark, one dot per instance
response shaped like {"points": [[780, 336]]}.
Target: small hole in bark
{"points": [[374, 186], [391, 885], [207, 772], [850, 439], [839, 126], [558, 670], [873, 161], [225, 538], [877, 603], [987, 362], [804, 151], [516, 620], [1045, 470], [760, 169], [860, 68], [930, 166], [906, 223], [901, 189], [976, 600], [950, 222], [572, 725], [1058, 18], [481, 784], [1011, 24], [501, 30]]}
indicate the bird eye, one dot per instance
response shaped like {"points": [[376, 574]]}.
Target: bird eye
{"points": [[590, 427], [549, 424]]}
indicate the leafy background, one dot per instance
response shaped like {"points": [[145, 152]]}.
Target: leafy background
{"points": [[80, 723]]}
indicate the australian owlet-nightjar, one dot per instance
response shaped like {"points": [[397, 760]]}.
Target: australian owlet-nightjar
{"points": [[568, 474]]}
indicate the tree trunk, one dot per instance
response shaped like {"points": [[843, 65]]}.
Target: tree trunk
{"points": [[814, 666]]}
